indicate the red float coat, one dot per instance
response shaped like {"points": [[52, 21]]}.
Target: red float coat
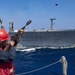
{"points": [[6, 62]]}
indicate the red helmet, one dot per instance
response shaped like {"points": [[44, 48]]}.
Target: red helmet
{"points": [[3, 35]]}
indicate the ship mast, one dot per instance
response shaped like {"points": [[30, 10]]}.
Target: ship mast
{"points": [[52, 23], [11, 26], [1, 26]]}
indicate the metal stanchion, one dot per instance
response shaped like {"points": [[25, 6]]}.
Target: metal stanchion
{"points": [[64, 65]]}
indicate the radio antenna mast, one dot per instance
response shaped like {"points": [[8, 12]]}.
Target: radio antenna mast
{"points": [[52, 23]]}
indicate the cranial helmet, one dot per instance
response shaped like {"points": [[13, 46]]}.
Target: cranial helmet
{"points": [[3, 35]]}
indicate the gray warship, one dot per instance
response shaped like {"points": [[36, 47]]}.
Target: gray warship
{"points": [[45, 38]]}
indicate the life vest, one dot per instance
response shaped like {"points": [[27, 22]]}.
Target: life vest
{"points": [[6, 68]]}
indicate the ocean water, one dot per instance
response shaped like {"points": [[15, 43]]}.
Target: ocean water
{"points": [[40, 61]]}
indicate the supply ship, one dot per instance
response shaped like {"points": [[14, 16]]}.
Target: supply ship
{"points": [[45, 38]]}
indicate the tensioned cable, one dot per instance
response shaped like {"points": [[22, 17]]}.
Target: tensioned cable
{"points": [[38, 68]]}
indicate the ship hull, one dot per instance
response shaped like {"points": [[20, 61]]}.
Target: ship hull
{"points": [[52, 39]]}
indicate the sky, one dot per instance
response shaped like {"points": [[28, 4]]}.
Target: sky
{"points": [[40, 12]]}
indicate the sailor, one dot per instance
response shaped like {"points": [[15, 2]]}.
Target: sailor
{"points": [[6, 58]]}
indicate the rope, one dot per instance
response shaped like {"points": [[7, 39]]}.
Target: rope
{"points": [[38, 68]]}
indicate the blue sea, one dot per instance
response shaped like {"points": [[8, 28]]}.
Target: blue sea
{"points": [[39, 61]]}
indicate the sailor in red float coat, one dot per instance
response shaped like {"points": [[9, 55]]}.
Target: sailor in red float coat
{"points": [[6, 57]]}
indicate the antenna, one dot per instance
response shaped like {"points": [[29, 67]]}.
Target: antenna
{"points": [[52, 23]]}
